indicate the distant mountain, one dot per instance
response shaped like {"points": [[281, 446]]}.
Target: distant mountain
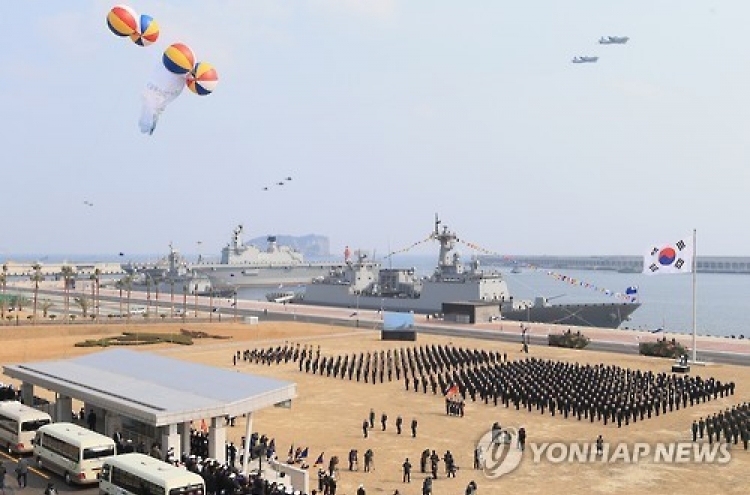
{"points": [[309, 245]]}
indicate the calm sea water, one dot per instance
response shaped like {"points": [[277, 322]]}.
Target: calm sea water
{"points": [[722, 302]]}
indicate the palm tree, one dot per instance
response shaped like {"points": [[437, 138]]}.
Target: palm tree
{"points": [[148, 293], [4, 281], [98, 274], [235, 305], [36, 277], [171, 296], [195, 300], [20, 302], [156, 292], [92, 277], [128, 281], [45, 305], [95, 291], [68, 276], [184, 301], [84, 303]]}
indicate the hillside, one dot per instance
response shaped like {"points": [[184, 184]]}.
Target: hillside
{"points": [[309, 245]]}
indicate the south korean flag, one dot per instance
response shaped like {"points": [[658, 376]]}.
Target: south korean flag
{"points": [[669, 258]]}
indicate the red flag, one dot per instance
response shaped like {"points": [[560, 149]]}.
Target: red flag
{"points": [[452, 391]]}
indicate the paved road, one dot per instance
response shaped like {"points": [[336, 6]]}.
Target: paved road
{"points": [[38, 479], [711, 349]]}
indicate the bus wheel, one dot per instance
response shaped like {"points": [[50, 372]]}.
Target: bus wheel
{"points": [[68, 479]]}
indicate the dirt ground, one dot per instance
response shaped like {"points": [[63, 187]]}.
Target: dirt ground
{"points": [[328, 413]]}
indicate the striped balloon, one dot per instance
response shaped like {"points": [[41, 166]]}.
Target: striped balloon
{"points": [[178, 58], [121, 20], [147, 32], [202, 80]]}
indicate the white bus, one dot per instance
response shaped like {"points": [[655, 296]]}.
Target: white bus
{"points": [[72, 451], [140, 474], [18, 425]]}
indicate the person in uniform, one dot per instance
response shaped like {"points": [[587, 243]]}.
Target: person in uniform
{"points": [[407, 470]]}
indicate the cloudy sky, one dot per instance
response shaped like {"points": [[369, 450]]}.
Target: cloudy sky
{"points": [[383, 113]]}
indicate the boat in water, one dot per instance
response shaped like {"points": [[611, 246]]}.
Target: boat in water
{"points": [[244, 265], [363, 284]]}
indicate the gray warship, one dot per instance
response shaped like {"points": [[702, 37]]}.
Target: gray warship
{"points": [[171, 271], [362, 283], [244, 265]]}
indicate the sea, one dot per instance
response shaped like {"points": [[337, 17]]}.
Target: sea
{"points": [[722, 301]]}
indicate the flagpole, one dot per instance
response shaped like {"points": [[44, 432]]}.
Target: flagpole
{"points": [[695, 264]]}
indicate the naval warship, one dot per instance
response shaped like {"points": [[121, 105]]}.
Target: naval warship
{"points": [[362, 283], [173, 270], [244, 265]]}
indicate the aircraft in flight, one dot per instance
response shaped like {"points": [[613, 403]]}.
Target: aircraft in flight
{"points": [[613, 40], [585, 60]]}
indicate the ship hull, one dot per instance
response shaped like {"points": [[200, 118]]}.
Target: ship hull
{"points": [[587, 315], [229, 277], [584, 315]]}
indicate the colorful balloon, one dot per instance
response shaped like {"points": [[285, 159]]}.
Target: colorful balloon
{"points": [[147, 32], [202, 80], [122, 20], [178, 59]]}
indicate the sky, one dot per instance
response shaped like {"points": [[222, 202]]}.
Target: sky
{"points": [[384, 113]]}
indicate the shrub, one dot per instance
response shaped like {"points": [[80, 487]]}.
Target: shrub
{"points": [[133, 338], [569, 340], [662, 348]]}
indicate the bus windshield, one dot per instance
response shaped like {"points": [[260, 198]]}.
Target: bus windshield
{"points": [[34, 424], [98, 452]]}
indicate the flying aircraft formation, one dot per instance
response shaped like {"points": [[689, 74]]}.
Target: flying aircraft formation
{"points": [[88, 203], [176, 69], [280, 183], [604, 40]]}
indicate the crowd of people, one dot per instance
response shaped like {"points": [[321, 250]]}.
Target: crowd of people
{"points": [[8, 392], [593, 392], [731, 425]]}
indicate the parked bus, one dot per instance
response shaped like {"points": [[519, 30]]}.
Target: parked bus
{"points": [[18, 425], [73, 452], [140, 474]]}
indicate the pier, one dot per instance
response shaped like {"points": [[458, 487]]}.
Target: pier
{"points": [[626, 264]]}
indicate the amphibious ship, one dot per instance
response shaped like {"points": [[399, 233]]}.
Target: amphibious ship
{"points": [[362, 283], [250, 266]]}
